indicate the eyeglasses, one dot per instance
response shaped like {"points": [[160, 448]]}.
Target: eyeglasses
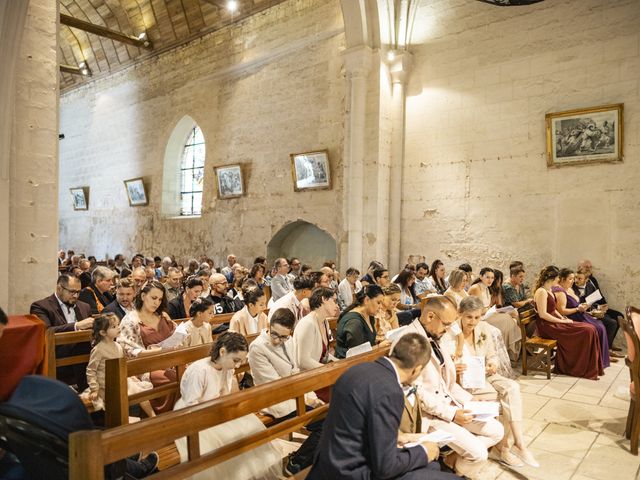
{"points": [[72, 292], [275, 336]]}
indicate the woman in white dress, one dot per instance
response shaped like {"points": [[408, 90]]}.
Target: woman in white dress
{"points": [[478, 342], [506, 323], [251, 319], [211, 378]]}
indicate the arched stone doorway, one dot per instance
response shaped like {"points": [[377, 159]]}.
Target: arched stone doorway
{"points": [[303, 240]]}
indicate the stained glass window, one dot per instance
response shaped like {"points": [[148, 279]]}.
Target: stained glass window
{"points": [[192, 174]]}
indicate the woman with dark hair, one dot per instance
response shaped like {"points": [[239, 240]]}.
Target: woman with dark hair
{"points": [[251, 319], [387, 318], [198, 328], [143, 328], [213, 377], [578, 344], [408, 298], [568, 304], [257, 273], [179, 307], [357, 324], [437, 279]]}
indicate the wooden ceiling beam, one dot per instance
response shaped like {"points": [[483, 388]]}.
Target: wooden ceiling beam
{"points": [[73, 22]]}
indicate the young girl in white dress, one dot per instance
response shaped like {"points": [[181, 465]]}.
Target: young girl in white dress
{"points": [[213, 377], [105, 330], [198, 327]]}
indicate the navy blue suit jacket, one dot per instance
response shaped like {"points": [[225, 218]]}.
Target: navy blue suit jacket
{"points": [[360, 433]]}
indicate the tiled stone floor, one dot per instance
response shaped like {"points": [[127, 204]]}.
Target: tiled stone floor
{"points": [[575, 427]]}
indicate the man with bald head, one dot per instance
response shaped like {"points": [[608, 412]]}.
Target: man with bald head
{"points": [[442, 399], [280, 283], [139, 278], [222, 303]]}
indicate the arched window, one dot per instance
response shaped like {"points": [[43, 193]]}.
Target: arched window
{"points": [[192, 173]]}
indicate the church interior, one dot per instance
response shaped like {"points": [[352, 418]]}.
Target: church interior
{"points": [[352, 157]]}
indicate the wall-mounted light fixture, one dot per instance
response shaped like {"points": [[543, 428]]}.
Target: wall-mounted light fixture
{"points": [[232, 5]]}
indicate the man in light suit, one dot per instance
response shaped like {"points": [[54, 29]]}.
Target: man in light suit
{"points": [[360, 434], [272, 357], [280, 283], [63, 312], [443, 400]]}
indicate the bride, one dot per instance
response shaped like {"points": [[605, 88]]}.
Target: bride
{"points": [[210, 378]]}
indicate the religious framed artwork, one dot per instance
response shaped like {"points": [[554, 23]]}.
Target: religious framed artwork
{"points": [[589, 135], [80, 197], [229, 181], [311, 170], [136, 193]]}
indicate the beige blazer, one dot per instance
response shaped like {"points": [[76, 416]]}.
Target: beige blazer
{"points": [[241, 322], [269, 363], [308, 342], [440, 394]]}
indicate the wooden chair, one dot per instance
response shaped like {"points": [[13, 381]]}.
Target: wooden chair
{"points": [[538, 354], [53, 340], [90, 450], [630, 325]]}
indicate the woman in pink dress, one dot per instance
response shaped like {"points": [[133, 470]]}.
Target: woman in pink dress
{"points": [[143, 329], [578, 344]]}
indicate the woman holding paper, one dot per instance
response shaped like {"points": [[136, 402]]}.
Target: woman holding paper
{"points": [[387, 318], [143, 329], [478, 350], [568, 304], [505, 322], [357, 324]]}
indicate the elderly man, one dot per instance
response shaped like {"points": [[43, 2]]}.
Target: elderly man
{"points": [[228, 270], [63, 312], [61, 256], [295, 300], [123, 304], [85, 275], [280, 283], [222, 303], [139, 278], [173, 285], [163, 270], [443, 399], [97, 295], [120, 264]]}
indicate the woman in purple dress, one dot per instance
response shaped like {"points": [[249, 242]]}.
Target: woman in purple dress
{"points": [[569, 305]]}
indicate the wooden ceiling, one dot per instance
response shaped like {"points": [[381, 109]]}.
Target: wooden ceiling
{"points": [[168, 23]]}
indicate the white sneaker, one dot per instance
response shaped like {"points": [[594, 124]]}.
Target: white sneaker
{"points": [[526, 456]]}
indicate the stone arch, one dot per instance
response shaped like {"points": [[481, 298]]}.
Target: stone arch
{"points": [[304, 240]]}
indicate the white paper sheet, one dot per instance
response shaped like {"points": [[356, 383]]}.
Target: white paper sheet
{"points": [[483, 411], [490, 312], [455, 329], [594, 297], [507, 309], [437, 436], [175, 340], [362, 348], [474, 376], [393, 335]]}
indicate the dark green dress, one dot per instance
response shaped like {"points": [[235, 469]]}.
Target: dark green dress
{"points": [[353, 331]]}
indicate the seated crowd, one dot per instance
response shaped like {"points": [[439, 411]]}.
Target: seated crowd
{"points": [[435, 320]]}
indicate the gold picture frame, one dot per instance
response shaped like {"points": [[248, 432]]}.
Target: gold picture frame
{"points": [[136, 192], [311, 170], [80, 197], [587, 135]]}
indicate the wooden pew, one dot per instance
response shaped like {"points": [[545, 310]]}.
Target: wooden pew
{"points": [[117, 400], [537, 353], [90, 450]]}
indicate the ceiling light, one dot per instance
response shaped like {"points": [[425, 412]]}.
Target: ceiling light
{"points": [[232, 5], [144, 38], [391, 55], [84, 69]]}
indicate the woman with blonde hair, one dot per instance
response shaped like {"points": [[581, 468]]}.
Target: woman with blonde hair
{"points": [[387, 318], [457, 283]]}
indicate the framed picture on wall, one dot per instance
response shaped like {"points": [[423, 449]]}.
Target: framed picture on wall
{"points": [[80, 197], [589, 135], [136, 192], [311, 170], [229, 181]]}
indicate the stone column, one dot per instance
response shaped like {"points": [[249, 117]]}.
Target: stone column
{"points": [[33, 163], [357, 65], [399, 67]]}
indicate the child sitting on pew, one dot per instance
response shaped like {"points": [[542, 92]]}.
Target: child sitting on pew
{"points": [[198, 329], [106, 328]]}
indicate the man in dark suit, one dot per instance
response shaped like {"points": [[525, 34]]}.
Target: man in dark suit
{"points": [[62, 312], [123, 304], [360, 435]]}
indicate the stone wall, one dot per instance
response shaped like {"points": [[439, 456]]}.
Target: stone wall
{"points": [[477, 187], [29, 173], [260, 90]]}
